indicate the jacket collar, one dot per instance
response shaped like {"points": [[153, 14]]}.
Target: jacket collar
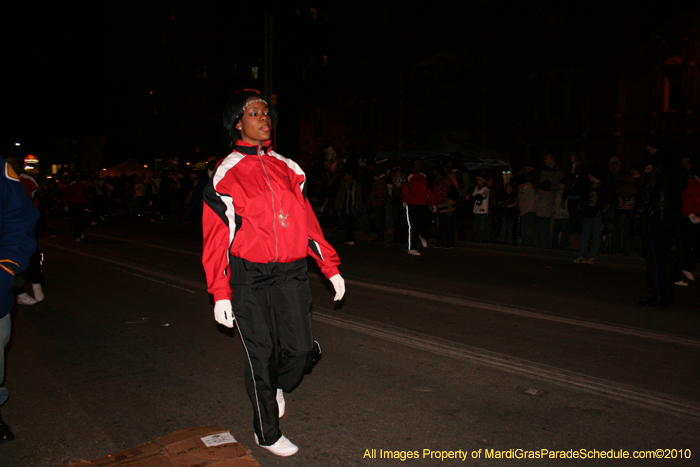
{"points": [[251, 149]]}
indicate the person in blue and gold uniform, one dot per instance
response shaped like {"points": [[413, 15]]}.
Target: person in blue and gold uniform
{"points": [[18, 217]]}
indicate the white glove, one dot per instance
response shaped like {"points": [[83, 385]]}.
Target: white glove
{"points": [[339, 286], [694, 219], [434, 208], [223, 313]]}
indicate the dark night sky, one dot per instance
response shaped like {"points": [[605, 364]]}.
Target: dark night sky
{"points": [[70, 69]]}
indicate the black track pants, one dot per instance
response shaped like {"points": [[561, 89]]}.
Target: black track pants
{"points": [[271, 306], [659, 241], [420, 224]]}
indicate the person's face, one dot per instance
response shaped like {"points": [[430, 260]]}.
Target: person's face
{"points": [[549, 161], [507, 175], [255, 124]]}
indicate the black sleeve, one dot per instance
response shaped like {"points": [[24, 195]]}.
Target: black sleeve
{"points": [[645, 196]]}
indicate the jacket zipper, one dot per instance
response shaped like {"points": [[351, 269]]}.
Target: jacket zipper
{"points": [[274, 216]]}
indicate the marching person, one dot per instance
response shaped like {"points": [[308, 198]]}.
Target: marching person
{"points": [[18, 217], [419, 202], [657, 211], [75, 200], [258, 228]]}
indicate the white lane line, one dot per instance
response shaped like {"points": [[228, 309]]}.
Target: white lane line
{"points": [[649, 399], [197, 285], [453, 300], [532, 314], [660, 402], [148, 245]]}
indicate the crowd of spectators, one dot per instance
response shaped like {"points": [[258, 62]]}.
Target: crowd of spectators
{"points": [[152, 196], [547, 203]]}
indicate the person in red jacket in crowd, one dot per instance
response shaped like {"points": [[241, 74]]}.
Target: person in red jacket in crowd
{"points": [[258, 228], [690, 229], [75, 201], [419, 201]]}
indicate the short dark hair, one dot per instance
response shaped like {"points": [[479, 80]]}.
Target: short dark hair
{"points": [[234, 112]]}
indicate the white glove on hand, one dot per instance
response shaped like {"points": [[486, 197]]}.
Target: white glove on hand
{"points": [[694, 219], [434, 209], [223, 313], [339, 286]]}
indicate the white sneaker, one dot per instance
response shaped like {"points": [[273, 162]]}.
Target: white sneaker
{"points": [[688, 274], [281, 404], [414, 252], [25, 299], [580, 260], [38, 292], [682, 283], [283, 447], [423, 242]]}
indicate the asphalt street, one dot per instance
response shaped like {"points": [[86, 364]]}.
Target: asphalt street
{"points": [[483, 351]]}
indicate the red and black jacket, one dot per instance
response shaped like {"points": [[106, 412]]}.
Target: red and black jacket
{"points": [[417, 191], [255, 208]]}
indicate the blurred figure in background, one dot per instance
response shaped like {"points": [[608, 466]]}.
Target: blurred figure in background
{"points": [[446, 193], [560, 227], [418, 201], [658, 212], [690, 226], [592, 228], [481, 197], [625, 192], [75, 200]]}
